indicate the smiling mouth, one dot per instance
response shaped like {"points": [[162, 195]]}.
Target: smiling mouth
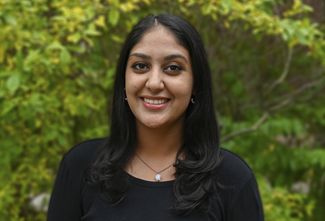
{"points": [[155, 101]]}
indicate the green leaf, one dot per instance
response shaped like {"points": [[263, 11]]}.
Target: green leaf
{"points": [[113, 16], [55, 46], [65, 56], [4, 74], [206, 9], [51, 135], [301, 38], [8, 106], [13, 83], [226, 4], [76, 37], [35, 99], [20, 60], [62, 140], [117, 38], [31, 55], [92, 31], [76, 48], [11, 20]]}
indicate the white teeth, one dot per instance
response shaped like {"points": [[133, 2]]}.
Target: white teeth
{"points": [[150, 101]]}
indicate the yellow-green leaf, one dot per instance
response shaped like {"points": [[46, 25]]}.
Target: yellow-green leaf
{"points": [[65, 56], [13, 83], [113, 16]]}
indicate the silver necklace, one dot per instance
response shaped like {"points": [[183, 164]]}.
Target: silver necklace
{"points": [[158, 176]]}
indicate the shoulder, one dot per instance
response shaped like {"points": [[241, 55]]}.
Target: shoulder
{"points": [[233, 171], [240, 196], [83, 154]]}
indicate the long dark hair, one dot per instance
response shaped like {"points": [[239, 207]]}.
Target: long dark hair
{"points": [[196, 175]]}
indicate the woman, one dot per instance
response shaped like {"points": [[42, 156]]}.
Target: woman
{"points": [[162, 160]]}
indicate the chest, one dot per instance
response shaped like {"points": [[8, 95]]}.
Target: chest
{"points": [[141, 203]]}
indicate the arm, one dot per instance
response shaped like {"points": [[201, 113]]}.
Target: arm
{"points": [[65, 198], [247, 206]]}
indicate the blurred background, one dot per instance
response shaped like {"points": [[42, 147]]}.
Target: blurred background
{"points": [[57, 65]]}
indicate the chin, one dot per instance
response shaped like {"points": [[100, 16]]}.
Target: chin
{"points": [[151, 123]]}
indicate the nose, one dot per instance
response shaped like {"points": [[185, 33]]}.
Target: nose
{"points": [[155, 82]]}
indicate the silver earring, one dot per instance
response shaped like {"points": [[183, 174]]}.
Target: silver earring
{"points": [[192, 99], [125, 98]]}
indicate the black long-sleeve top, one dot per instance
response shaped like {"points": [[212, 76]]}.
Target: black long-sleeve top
{"points": [[73, 199]]}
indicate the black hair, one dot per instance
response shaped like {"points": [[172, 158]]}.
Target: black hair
{"points": [[196, 182]]}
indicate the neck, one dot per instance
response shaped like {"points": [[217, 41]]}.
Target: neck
{"points": [[159, 142], [157, 149]]}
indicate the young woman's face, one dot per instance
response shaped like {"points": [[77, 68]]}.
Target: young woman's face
{"points": [[159, 79]]}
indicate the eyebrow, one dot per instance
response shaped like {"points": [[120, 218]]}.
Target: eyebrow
{"points": [[172, 56], [169, 57], [140, 55]]}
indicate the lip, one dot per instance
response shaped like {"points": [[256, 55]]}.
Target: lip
{"points": [[154, 106]]}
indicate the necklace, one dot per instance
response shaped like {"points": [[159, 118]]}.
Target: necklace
{"points": [[158, 176]]}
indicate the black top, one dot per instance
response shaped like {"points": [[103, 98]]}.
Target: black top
{"points": [[74, 199]]}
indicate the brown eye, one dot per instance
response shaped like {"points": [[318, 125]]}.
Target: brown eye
{"points": [[174, 68], [139, 66]]}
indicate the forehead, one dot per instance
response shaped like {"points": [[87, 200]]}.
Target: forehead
{"points": [[159, 40]]}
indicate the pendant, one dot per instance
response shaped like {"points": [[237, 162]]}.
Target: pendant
{"points": [[158, 177]]}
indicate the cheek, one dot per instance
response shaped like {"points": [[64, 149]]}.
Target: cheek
{"points": [[184, 88], [130, 82], [133, 83]]}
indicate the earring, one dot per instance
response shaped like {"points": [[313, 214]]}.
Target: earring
{"points": [[193, 99], [125, 98]]}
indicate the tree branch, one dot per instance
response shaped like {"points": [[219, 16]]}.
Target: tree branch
{"points": [[284, 73], [255, 127], [289, 98], [280, 105], [306, 86]]}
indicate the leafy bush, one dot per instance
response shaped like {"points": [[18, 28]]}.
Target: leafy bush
{"points": [[57, 63]]}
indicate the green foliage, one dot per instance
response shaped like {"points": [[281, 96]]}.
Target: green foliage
{"points": [[297, 206], [57, 63]]}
